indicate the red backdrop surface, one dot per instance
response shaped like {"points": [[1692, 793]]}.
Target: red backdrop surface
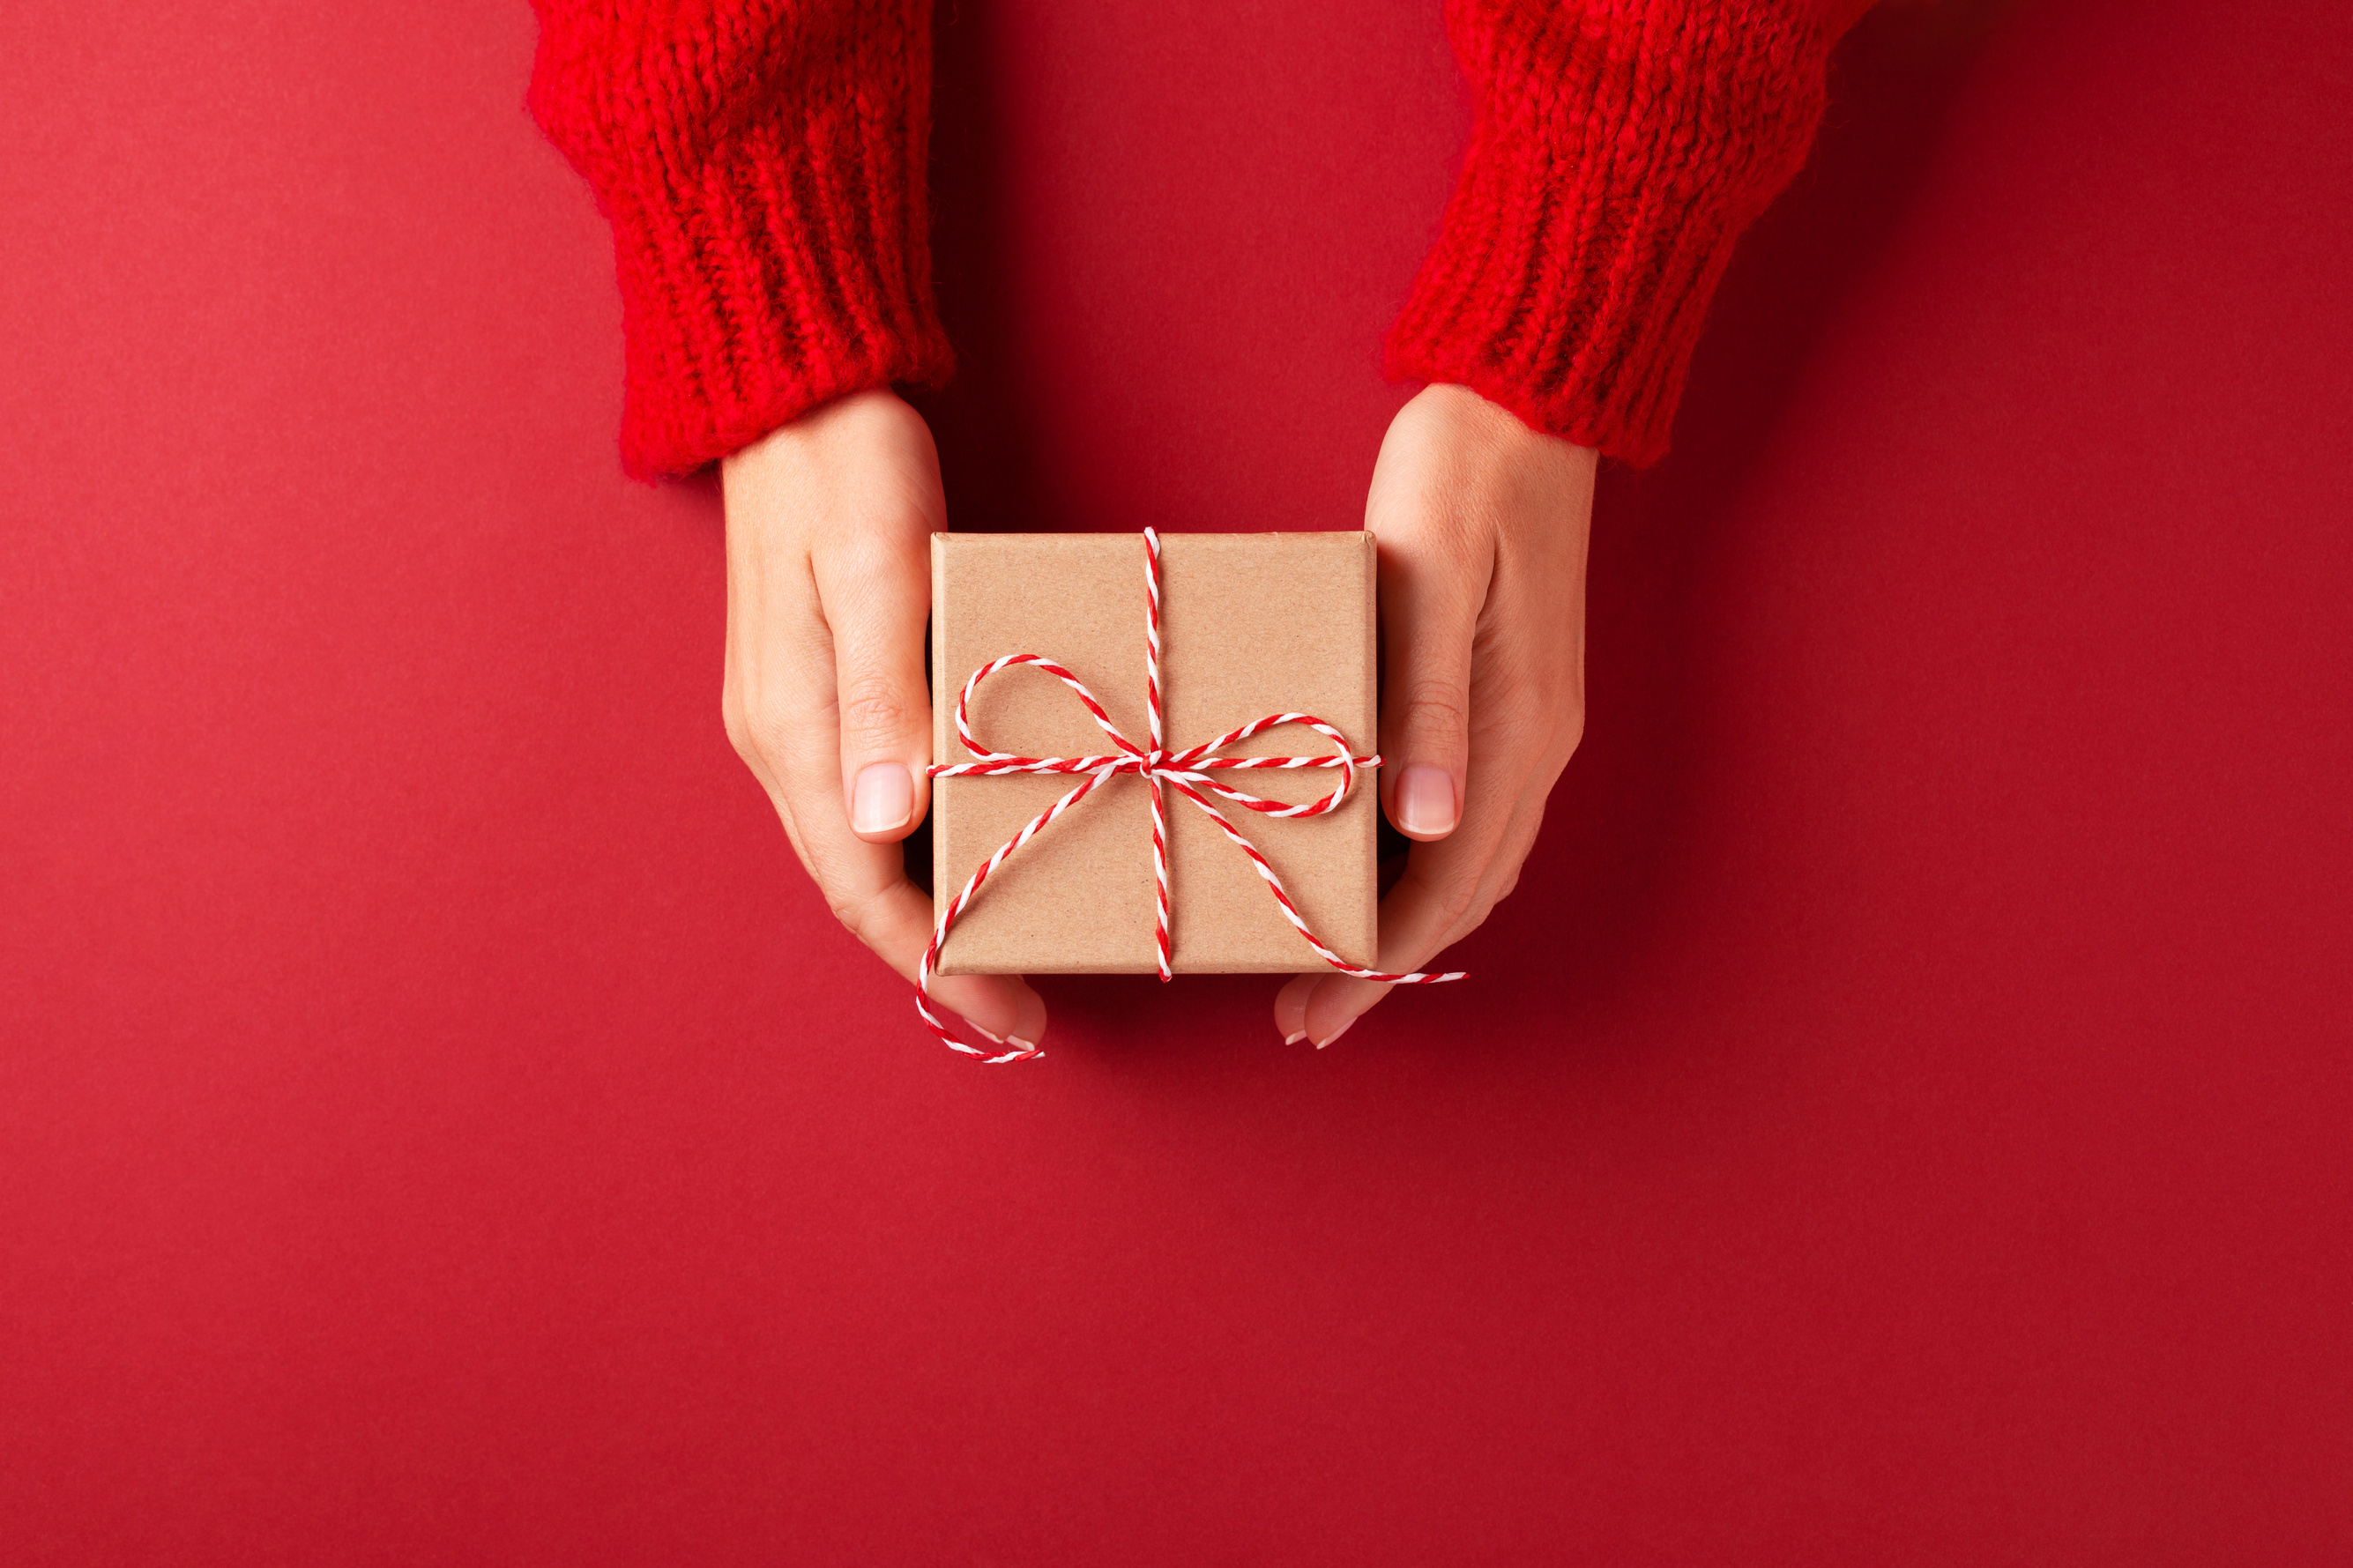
{"points": [[1900, 1117]]}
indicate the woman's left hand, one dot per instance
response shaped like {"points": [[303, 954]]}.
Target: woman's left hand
{"points": [[1483, 525]]}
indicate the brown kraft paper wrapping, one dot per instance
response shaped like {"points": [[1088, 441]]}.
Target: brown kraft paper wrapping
{"points": [[1250, 624]]}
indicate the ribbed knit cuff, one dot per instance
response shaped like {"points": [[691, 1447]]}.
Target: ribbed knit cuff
{"points": [[792, 267], [1619, 149]]}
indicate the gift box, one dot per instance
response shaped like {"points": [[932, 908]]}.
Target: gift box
{"points": [[1249, 626]]}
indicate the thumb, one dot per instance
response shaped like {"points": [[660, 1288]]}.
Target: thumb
{"points": [[1429, 617], [876, 602]]}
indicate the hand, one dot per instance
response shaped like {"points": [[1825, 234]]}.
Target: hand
{"points": [[1483, 525], [828, 584]]}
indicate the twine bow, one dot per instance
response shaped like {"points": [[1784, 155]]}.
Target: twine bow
{"points": [[1187, 771]]}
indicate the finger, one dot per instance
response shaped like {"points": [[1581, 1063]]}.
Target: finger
{"points": [[1439, 889], [894, 917], [1518, 748], [1447, 892], [876, 594], [785, 717], [1290, 1007], [865, 884], [1433, 580]]}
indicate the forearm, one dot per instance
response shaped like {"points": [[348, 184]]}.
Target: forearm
{"points": [[1619, 148], [761, 163]]}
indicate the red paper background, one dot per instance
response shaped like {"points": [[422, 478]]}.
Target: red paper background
{"points": [[1900, 1117]]}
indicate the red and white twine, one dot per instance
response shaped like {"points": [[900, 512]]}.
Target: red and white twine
{"points": [[1185, 771]]}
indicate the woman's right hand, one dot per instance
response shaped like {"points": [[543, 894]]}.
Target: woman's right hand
{"points": [[829, 586]]}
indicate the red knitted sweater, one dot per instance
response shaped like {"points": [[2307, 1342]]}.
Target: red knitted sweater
{"points": [[762, 165]]}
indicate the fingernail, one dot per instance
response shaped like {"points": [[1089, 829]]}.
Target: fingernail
{"points": [[1425, 801], [983, 1033], [884, 798], [1293, 1038], [1335, 1034], [1018, 1044]]}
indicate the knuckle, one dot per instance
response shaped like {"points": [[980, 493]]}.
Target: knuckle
{"points": [[758, 725], [863, 916], [1454, 899], [763, 734], [850, 911], [1436, 713], [873, 709], [1572, 733], [1467, 909], [731, 720]]}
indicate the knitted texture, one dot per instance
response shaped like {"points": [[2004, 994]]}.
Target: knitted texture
{"points": [[1617, 148], [761, 163]]}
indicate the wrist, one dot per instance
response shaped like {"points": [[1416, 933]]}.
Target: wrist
{"points": [[1470, 446], [838, 473]]}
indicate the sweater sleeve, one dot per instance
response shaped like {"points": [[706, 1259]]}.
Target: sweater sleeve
{"points": [[761, 163], [1617, 148]]}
